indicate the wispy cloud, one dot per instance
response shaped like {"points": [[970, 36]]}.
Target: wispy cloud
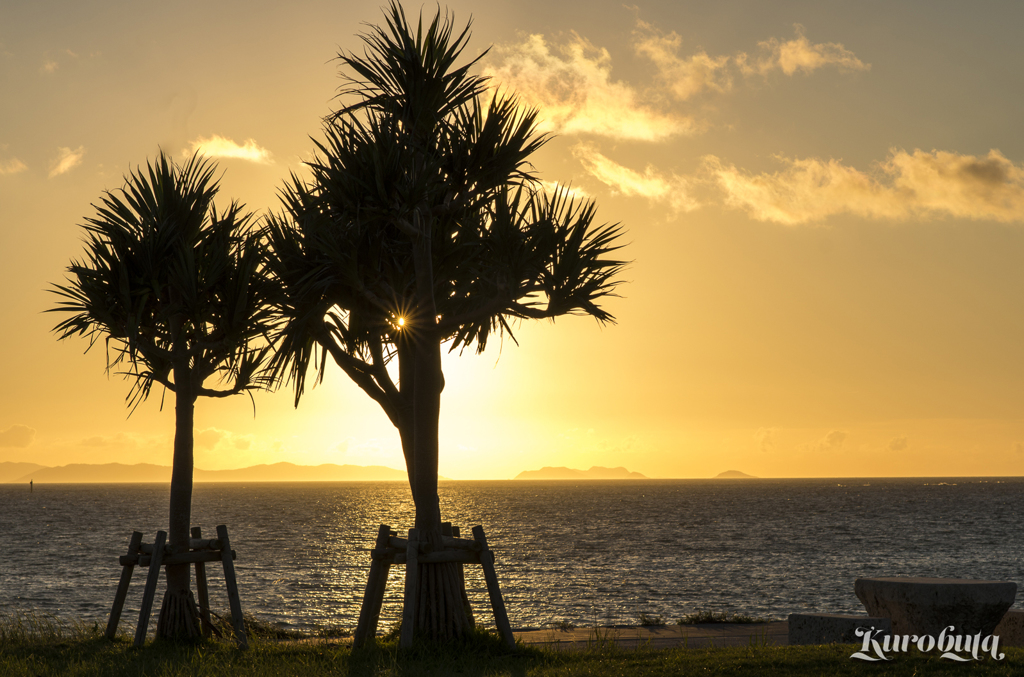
{"points": [[52, 64], [571, 83], [765, 438], [898, 443], [800, 54], [553, 188], [221, 147], [12, 166], [685, 76], [573, 89], [208, 438], [833, 441], [121, 441], [66, 160], [17, 436], [672, 190], [936, 183]]}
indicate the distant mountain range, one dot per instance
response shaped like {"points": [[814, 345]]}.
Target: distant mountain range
{"points": [[595, 473], [734, 475], [147, 472], [75, 473]]}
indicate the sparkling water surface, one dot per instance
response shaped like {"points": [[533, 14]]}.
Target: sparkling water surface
{"points": [[591, 553]]}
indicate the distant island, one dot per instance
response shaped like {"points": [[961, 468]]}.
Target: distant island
{"points": [[146, 472], [734, 475], [595, 473]]}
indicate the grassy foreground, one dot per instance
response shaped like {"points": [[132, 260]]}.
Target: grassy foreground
{"points": [[47, 648]]}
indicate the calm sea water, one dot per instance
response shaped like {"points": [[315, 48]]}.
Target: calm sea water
{"points": [[589, 553]]}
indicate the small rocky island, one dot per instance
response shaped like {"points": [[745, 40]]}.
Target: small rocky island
{"points": [[595, 473], [734, 475]]}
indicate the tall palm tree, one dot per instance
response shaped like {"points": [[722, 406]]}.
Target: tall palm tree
{"points": [[420, 228], [178, 292]]}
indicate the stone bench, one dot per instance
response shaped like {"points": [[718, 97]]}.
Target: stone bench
{"points": [[832, 628], [925, 606], [1010, 630]]}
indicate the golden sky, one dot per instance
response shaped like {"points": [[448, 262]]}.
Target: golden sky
{"points": [[824, 205]]}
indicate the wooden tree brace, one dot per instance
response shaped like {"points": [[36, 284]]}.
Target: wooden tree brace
{"points": [[193, 544], [392, 556], [448, 541], [202, 590], [412, 590], [156, 555], [373, 598], [190, 557], [390, 550]]}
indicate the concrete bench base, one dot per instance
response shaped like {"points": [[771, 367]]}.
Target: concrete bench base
{"points": [[925, 606], [832, 628], [1010, 630]]}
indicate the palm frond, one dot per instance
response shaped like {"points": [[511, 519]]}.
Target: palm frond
{"points": [[164, 271]]}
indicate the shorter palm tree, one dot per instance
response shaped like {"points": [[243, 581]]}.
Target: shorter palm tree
{"points": [[178, 292]]}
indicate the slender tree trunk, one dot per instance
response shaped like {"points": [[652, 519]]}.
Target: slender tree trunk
{"points": [[407, 384], [442, 613], [426, 394], [179, 614], [426, 413]]}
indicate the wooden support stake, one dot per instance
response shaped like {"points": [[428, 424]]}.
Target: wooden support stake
{"points": [[122, 586], [233, 599], [462, 586], [491, 577], [150, 591], [202, 589], [452, 611], [373, 598], [412, 590]]}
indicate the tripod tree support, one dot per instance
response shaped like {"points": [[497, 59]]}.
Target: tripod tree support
{"points": [[158, 554], [390, 550]]}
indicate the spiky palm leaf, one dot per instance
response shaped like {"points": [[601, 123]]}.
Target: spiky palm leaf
{"points": [[164, 270]]}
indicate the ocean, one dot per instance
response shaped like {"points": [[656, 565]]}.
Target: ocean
{"points": [[588, 553]]}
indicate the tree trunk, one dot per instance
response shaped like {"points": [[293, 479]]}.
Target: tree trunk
{"points": [[441, 612], [426, 412], [179, 615]]}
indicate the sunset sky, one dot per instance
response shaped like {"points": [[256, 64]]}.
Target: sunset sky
{"points": [[824, 204]]}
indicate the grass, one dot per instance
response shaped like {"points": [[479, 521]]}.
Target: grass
{"points": [[48, 647], [263, 630], [705, 616]]}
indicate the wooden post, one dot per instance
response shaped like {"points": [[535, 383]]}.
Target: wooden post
{"points": [[373, 598], [202, 590], [150, 591], [412, 590], [497, 603], [462, 585], [229, 578], [122, 586]]}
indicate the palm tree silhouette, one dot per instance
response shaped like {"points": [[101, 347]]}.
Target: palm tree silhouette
{"points": [[179, 295], [422, 226]]}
